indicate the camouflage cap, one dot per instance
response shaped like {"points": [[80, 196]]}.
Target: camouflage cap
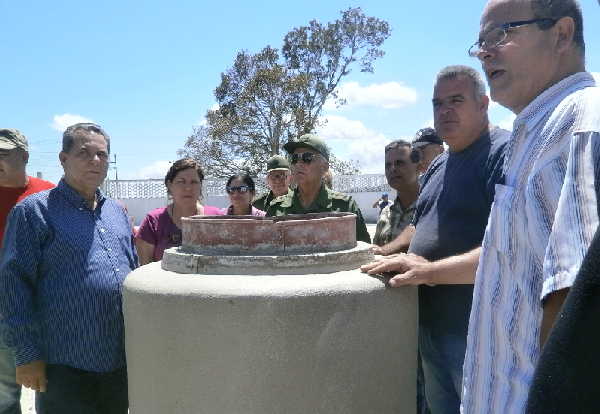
{"points": [[12, 138], [277, 162], [426, 136], [309, 141]]}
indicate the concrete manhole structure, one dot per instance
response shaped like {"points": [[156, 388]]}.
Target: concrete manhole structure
{"points": [[272, 316]]}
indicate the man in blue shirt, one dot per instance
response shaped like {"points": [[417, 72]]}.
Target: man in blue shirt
{"points": [[445, 239], [65, 256]]}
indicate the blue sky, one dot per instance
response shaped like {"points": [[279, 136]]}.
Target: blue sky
{"points": [[146, 70]]}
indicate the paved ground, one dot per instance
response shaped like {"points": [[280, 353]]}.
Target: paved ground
{"points": [[28, 396]]}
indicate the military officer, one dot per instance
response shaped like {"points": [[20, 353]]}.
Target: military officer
{"points": [[310, 161], [278, 181]]}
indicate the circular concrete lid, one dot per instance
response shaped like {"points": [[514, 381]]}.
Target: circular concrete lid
{"points": [[285, 235], [176, 260]]}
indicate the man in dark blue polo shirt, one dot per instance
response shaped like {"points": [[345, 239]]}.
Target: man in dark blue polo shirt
{"points": [[65, 256], [445, 240]]}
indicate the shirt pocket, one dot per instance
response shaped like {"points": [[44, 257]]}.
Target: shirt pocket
{"points": [[499, 229]]}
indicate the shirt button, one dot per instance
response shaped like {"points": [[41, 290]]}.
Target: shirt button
{"points": [[80, 208], [102, 230], [116, 270]]}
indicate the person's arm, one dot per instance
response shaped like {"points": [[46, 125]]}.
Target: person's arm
{"points": [[411, 269], [145, 251], [21, 255], [362, 234], [552, 306], [399, 244], [146, 239], [376, 204], [575, 221]]}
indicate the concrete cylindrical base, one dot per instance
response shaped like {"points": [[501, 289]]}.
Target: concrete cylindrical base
{"points": [[278, 344]]}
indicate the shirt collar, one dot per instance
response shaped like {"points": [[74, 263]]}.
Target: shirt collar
{"points": [[322, 199], [74, 197], [547, 100], [397, 205]]}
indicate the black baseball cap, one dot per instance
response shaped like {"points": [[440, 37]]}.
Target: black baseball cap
{"points": [[426, 136]]}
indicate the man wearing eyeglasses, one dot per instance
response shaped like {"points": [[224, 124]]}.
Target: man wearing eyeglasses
{"points": [[309, 157], [545, 214], [278, 181], [65, 256]]}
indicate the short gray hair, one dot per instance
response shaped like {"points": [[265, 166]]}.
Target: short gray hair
{"points": [[455, 71], [74, 131], [556, 9]]}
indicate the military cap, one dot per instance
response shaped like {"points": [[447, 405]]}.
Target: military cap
{"points": [[426, 136], [12, 138], [309, 141], [277, 162]]}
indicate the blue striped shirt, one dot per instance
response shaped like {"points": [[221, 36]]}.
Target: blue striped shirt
{"points": [[540, 226], [61, 271]]}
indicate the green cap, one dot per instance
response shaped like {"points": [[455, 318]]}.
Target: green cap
{"points": [[11, 139], [277, 162], [309, 141]]}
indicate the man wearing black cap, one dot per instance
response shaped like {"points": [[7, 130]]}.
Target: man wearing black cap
{"points": [[278, 181], [429, 145], [310, 161], [15, 185]]}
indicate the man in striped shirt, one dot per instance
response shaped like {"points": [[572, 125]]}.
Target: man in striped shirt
{"points": [[65, 256], [545, 214]]}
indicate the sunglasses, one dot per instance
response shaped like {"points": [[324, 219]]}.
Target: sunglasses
{"points": [[239, 189], [306, 157]]}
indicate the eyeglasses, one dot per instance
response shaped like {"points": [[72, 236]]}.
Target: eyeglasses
{"points": [[239, 189], [306, 157], [277, 175], [497, 36]]}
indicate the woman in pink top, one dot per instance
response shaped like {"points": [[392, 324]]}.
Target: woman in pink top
{"points": [[161, 228], [241, 190]]}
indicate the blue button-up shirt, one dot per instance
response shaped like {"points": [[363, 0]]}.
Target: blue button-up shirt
{"points": [[61, 271]]}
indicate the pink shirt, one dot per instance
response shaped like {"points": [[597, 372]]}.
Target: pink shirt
{"points": [[158, 229], [254, 212]]}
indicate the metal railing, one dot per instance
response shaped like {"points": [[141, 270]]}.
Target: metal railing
{"points": [[155, 188]]}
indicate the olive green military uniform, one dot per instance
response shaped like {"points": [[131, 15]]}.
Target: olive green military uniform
{"points": [[262, 201], [327, 201]]}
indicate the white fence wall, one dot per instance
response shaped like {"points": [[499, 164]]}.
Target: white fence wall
{"points": [[141, 196]]}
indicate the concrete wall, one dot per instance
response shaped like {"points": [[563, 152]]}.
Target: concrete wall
{"points": [[269, 344], [139, 207]]}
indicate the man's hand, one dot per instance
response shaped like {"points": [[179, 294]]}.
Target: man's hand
{"points": [[32, 375], [410, 269], [381, 251]]}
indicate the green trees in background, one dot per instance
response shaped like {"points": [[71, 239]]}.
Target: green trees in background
{"points": [[268, 98]]}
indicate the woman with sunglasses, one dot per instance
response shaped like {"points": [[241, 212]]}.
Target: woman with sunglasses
{"points": [[161, 228], [309, 157], [241, 190]]}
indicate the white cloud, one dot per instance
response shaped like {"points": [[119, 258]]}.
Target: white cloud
{"points": [[597, 76], [428, 124], [351, 139], [389, 95], [507, 123], [62, 122], [158, 169]]}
